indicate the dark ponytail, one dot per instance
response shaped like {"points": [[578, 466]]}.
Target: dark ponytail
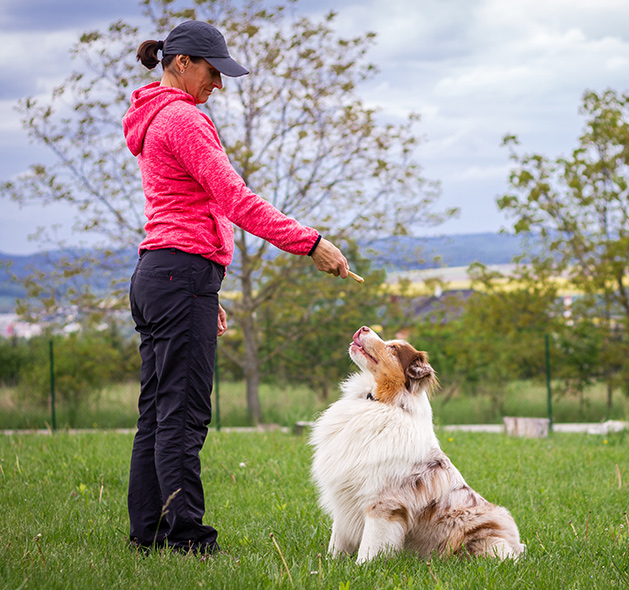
{"points": [[147, 53]]}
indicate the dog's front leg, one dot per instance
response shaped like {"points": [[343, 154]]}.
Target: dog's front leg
{"points": [[333, 549], [380, 535], [340, 541]]}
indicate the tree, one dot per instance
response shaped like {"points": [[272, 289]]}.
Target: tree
{"points": [[295, 129], [315, 351], [579, 206]]}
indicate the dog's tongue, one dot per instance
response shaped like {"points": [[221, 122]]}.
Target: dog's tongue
{"points": [[356, 338]]}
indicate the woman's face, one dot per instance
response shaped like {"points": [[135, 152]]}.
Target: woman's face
{"points": [[200, 79]]}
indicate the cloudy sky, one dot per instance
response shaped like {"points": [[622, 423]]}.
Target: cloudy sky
{"points": [[474, 69]]}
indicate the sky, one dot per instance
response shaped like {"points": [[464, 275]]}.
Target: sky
{"points": [[475, 70]]}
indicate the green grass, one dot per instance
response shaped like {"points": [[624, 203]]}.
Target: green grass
{"points": [[63, 520], [116, 407]]}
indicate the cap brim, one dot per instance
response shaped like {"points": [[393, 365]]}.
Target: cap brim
{"points": [[227, 66]]}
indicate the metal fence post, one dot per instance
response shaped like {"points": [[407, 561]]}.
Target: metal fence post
{"points": [[52, 386], [549, 396]]}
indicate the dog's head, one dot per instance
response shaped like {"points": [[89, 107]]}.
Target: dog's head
{"points": [[395, 365]]}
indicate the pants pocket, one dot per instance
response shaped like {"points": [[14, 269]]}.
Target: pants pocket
{"points": [[206, 281]]}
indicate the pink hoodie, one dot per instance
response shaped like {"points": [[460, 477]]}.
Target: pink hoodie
{"points": [[193, 194]]}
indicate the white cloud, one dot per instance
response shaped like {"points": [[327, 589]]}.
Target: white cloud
{"points": [[478, 69], [491, 172], [474, 69], [40, 70], [596, 18], [617, 63]]}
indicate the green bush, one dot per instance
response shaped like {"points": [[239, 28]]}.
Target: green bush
{"points": [[84, 364], [14, 355]]}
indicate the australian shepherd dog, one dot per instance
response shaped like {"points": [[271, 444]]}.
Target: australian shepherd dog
{"points": [[381, 474]]}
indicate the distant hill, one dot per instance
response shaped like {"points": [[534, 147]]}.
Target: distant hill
{"points": [[394, 253], [21, 266], [412, 253]]}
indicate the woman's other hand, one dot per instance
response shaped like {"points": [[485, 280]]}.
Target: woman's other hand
{"points": [[222, 321]]}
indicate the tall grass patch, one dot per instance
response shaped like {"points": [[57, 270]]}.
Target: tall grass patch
{"points": [[285, 404]]}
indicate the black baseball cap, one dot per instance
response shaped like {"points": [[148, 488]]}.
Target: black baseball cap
{"points": [[200, 39]]}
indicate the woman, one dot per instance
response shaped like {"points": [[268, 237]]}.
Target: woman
{"points": [[193, 195]]}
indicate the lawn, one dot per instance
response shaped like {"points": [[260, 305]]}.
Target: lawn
{"points": [[63, 518]]}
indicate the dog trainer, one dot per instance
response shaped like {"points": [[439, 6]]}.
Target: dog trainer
{"points": [[193, 196]]}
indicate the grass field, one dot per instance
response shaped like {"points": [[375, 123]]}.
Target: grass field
{"points": [[63, 517], [116, 407]]}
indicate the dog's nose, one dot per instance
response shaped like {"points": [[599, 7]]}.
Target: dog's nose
{"points": [[362, 330]]}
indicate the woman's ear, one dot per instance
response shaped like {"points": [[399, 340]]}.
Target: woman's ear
{"points": [[182, 62]]}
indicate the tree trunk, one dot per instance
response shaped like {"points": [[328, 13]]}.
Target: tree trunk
{"points": [[252, 370], [254, 410]]}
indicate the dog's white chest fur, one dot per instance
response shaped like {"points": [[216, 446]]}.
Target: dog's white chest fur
{"points": [[363, 447]]}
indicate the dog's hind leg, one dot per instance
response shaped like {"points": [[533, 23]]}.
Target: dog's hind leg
{"points": [[380, 535]]}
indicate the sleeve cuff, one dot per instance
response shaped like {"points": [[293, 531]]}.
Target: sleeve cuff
{"points": [[314, 246]]}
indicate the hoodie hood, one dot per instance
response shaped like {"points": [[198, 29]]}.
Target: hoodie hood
{"points": [[146, 102]]}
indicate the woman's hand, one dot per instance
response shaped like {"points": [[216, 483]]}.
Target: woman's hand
{"points": [[328, 258], [222, 321]]}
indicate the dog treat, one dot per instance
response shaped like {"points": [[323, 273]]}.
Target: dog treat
{"points": [[356, 277]]}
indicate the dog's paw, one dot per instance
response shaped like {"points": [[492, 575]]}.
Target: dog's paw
{"points": [[365, 555]]}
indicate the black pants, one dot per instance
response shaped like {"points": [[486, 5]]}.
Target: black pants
{"points": [[174, 303]]}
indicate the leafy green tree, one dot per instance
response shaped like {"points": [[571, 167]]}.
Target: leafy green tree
{"points": [[479, 342], [295, 129], [313, 350], [578, 360], [440, 333], [502, 328], [578, 205]]}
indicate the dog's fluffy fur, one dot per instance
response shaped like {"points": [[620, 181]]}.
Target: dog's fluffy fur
{"points": [[381, 474]]}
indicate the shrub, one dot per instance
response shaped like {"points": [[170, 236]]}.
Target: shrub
{"points": [[84, 363], [14, 355]]}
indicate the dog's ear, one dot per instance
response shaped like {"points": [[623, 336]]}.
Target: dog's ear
{"points": [[419, 370]]}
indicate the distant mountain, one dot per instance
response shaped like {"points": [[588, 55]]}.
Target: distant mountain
{"points": [[412, 253], [22, 266], [393, 253], [13, 268]]}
